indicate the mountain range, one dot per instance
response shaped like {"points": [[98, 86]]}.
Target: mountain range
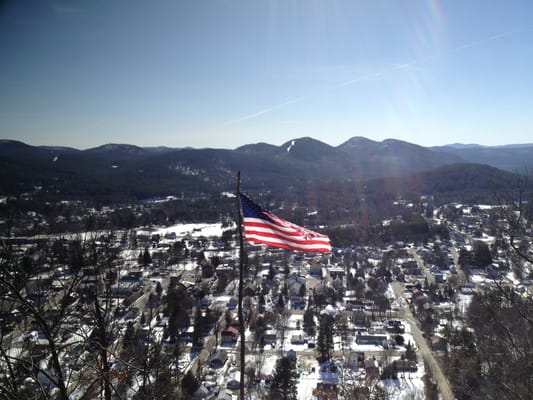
{"points": [[128, 171]]}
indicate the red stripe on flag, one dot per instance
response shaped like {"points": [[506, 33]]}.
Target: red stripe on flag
{"points": [[260, 231]]}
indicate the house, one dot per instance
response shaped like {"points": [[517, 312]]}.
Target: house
{"points": [[291, 355], [224, 270], [208, 271], [126, 286], [297, 339], [369, 306], [315, 270], [405, 365], [359, 317], [376, 340], [234, 381], [296, 284], [229, 335], [132, 314], [439, 277], [419, 297], [270, 336], [202, 393], [438, 344], [337, 272], [395, 326], [39, 342], [377, 327], [410, 267], [170, 235], [297, 303], [219, 359], [142, 237], [233, 384], [121, 290], [329, 372], [356, 359], [223, 395], [249, 291], [251, 367], [337, 283], [205, 303], [233, 302]]}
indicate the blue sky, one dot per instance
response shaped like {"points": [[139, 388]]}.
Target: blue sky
{"points": [[227, 73]]}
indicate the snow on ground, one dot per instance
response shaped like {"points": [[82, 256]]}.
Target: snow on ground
{"points": [[408, 338], [511, 277], [294, 319], [291, 146], [463, 301], [195, 230], [406, 388], [268, 364], [478, 276], [309, 377], [390, 292]]}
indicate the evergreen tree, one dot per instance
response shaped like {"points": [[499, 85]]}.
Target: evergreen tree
{"points": [[128, 341], [284, 381], [281, 302], [271, 273], [325, 337], [410, 353], [178, 319], [147, 258], [260, 328], [309, 322], [482, 255], [158, 288], [189, 383], [197, 334], [302, 291]]}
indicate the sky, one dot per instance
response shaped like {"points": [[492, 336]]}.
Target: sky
{"points": [[221, 74]]}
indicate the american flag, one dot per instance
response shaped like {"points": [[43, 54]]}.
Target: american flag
{"points": [[263, 227]]}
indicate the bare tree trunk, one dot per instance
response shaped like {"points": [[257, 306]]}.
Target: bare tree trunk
{"points": [[102, 348]]}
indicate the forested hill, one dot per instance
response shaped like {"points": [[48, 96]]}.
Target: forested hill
{"points": [[116, 172], [517, 157]]}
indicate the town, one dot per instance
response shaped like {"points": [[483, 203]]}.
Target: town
{"points": [[151, 311]]}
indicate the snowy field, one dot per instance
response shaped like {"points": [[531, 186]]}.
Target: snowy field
{"points": [[194, 230]]}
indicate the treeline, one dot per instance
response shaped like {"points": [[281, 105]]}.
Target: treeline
{"points": [[31, 217], [492, 360], [28, 217], [413, 229]]}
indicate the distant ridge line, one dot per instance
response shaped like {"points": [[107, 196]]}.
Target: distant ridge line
{"points": [[354, 140]]}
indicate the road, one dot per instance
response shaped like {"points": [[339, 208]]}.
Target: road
{"points": [[423, 348], [422, 265], [460, 274]]}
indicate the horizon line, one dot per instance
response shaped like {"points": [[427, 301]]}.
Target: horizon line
{"points": [[189, 147]]}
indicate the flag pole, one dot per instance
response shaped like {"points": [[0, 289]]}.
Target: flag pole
{"points": [[241, 278]]}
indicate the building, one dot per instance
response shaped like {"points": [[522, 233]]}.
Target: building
{"points": [[376, 340]]}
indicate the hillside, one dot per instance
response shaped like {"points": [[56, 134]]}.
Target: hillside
{"points": [[508, 157], [115, 172]]}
